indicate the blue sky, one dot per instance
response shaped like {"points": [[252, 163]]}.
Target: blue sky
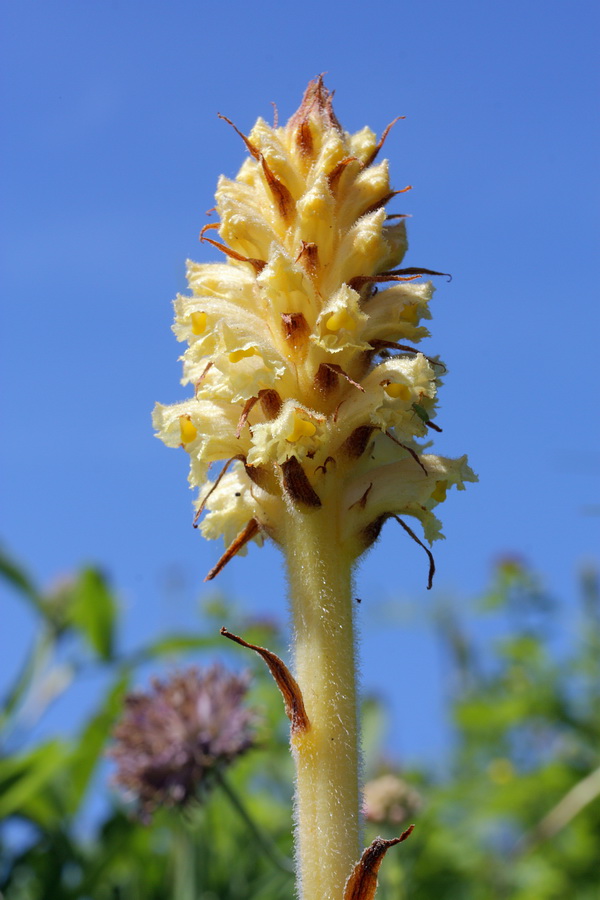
{"points": [[111, 154]]}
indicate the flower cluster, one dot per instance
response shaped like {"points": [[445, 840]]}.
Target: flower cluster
{"points": [[171, 740], [390, 798], [300, 347]]}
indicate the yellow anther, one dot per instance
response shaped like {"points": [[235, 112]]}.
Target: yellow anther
{"points": [[501, 771], [410, 313], [439, 493], [236, 355], [187, 429], [198, 322], [340, 319], [397, 391], [302, 428]]}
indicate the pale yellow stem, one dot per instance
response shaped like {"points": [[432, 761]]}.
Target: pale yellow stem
{"points": [[327, 791]]}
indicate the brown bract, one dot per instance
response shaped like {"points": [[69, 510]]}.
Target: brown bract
{"points": [[362, 883]]}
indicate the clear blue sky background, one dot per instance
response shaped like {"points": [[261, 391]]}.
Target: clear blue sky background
{"points": [[111, 153]]}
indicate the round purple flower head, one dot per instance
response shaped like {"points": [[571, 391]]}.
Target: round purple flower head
{"points": [[170, 740]]}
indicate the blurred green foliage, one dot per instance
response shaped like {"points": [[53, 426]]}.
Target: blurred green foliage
{"points": [[515, 815]]}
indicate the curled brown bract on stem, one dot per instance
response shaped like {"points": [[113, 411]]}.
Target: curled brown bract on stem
{"points": [[287, 684], [362, 883]]}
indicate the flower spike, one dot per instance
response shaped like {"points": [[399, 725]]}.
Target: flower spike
{"points": [[310, 423]]}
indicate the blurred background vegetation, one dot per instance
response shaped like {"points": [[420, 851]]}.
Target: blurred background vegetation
{"points": [[512, 811]]}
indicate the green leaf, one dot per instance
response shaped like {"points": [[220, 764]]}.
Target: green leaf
{"points": [[22, 777], [92, 742], [174, 644], [93, 610], [16, 576]]}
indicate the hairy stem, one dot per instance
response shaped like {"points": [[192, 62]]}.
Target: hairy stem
{"points": [[327, 756]]}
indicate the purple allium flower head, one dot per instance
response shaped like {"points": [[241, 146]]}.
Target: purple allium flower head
{"points": [[170, 740]]}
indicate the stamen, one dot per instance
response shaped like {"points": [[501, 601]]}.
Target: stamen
{"points": [[397, 391], [237, 355], [302, 428], [187, 429], [198, 320], [410, 313], [441, 489], [340, 319]]}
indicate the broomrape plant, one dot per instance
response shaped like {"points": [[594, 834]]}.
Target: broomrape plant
{"points": [[309, 391]]}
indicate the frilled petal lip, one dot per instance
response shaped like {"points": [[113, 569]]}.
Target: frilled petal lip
{"points": [[403, 488]]}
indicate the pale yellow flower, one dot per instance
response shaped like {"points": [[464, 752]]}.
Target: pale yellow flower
{"points": [[300, 347]]}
